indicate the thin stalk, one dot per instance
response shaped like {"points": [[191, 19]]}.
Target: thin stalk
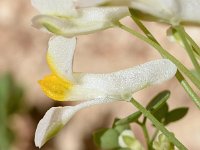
{"points": [[129, 119], [188, 89], [188, 48], [146, 134], [179, 76], [197, 55], [154, 136], [167, 55], [142, 27], [193, 43], [158, 125]]}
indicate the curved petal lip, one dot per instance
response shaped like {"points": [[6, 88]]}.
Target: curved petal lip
{"points": [[56, 117], [68, 28], [88, 20]]}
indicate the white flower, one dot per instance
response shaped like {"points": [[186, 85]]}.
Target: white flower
{"points": [[128, 140], [61, 17], [63, 84], [169, 11], [163, 143]]}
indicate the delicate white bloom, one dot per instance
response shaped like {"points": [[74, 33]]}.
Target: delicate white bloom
{"points": [[163, 143], [61, 17], [63, 84], [169, 11], [128, 140]]}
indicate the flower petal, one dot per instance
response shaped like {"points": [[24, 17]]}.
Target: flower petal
{"points": [[88, 20], [116, 84], [162, 10], [56, 88], [190, 10], [60, 56], [56, 117], [127, 139], [124, 83], [169, 11], [55, 7]]}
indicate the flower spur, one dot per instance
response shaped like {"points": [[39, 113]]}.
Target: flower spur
{"points": [[173, 12], [62, 17]]}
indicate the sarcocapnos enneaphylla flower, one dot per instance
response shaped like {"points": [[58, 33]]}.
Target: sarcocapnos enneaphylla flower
{"points": [[128, 140], [62, 17], [169, 11], [63, 84]]}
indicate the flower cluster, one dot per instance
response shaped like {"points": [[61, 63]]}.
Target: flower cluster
{"points": [[65, 19]]}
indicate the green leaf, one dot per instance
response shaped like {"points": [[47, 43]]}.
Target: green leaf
{"points": [[10, 102], [158, 101], [10, 95], [161, 113], [131, 118], [4, 89], [16, 100], [121, 128], [175, 115], [106, 139]]}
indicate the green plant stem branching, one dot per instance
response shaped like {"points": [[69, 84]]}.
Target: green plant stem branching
{"points": [[188, 47], [154, 136], [146, 134], [158, 125], [167, 55], [193, 43], [179, 76]]}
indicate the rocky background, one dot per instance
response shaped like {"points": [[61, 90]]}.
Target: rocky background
{"points": [[22, 54]]}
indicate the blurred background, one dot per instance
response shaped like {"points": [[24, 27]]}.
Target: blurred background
{"points": [[23, 63]]}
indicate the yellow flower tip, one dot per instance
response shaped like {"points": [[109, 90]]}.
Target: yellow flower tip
{"points": [[55, 87]]}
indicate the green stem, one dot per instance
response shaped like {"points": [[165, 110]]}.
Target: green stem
{"points": [[154, 136], [179, 76], [180, 66], [158, 125], [188, 48], [142, 27], [164, 53], [144, 120], [129, 119], [196, 55], [146, 134], [193, 43], [195, 98]]}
